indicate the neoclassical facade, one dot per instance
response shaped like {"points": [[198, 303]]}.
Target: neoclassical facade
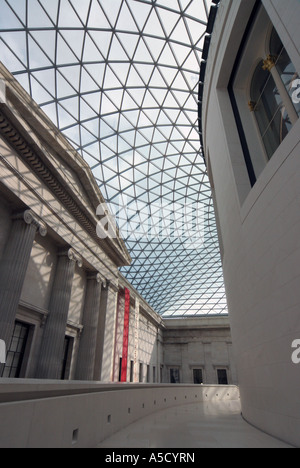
{"points": [[56, 272], [66, 312]]}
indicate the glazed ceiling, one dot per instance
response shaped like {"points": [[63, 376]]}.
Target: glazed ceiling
{"points": [[120, 79]]}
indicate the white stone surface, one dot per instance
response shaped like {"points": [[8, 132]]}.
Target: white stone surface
{"points": [[41, 414], [260, 231], [210, 425]]}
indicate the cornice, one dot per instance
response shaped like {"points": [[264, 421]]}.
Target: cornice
{"points": [[12, 135]]}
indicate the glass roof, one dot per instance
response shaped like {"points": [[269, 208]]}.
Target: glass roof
{"points": [[120, 80]]}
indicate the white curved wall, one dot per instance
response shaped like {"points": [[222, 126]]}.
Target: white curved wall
{"points": [[259, 231], [39, 414]]}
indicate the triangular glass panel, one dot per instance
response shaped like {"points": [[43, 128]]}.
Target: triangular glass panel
{"points": [[156, 46], [50, 110], [24, 81], [96, 71], [72, 134], [102, 40], [107, 106], [92, 126], [71, 105], [169, 20], [64, 88], [64, 53], [93, 100], [46, 78], [17, 44], [167, 58], [86, 137], [91, 53], [74, 39], [111, 80], [97, 18], [121, 70], [125, 21], [87, 83], [81, 8], [112, 9], [67, 16], [72, 75], [145, 71], [64, 118], [46, 41], [142, 54], [8, 20], [86, 111], [50, 7], [153, 26], [117, 52], [40, 93], [129, 42], [37, 58], [37, 18]]}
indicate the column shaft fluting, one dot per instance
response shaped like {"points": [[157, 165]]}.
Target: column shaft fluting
{"points": [[51, 352], [88, 340], [13, 268]]}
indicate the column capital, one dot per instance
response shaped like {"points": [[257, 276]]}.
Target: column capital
{"points": [[29, 217], [72, 255], [252, 106], [112, 286], [270, 62], [96, 276]]}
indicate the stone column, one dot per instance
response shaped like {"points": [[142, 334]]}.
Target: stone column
{"points": [[106, 334], [88, 340], [51, 352], [13, 268]]}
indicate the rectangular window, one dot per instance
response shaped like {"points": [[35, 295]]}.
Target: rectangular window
{"points": [[154, 374], [266, 105], [131, 371], [148, 374], [198, 376], [222, 377], [120, 369], [174, 376], [16, 351], [67, 358]]}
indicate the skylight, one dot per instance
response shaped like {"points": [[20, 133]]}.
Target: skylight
{"points": [[120, 80]]}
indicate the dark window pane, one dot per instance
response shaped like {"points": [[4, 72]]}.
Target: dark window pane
{"points": [[174, 376], [285, 68], [198, 377], [270, 112], [222, 377], [16, 351]]}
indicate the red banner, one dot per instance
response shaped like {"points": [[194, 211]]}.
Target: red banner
{"points": [[125, 336]]}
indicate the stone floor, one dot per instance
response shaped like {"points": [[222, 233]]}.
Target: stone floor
{"points": [[207, 425]]}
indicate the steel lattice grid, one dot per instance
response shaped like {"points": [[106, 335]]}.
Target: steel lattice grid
{"points": [[120, 79]]}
